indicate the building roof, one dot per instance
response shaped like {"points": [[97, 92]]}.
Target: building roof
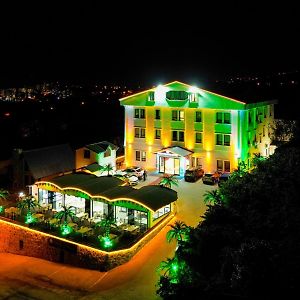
{"points": [[207, 99], [93, 167], [49, 161], [101, 147], [154, 196], [89, 183], [109, 188], [179, 151]]}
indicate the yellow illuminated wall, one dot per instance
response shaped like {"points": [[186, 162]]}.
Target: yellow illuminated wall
{"points": [[166, 127], [189, 115], [241, 133], [129, 135]]}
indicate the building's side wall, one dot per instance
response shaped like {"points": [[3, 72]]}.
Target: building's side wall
{"points": [[103, 161], [81, 161]]}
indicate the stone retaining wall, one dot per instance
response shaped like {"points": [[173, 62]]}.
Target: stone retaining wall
{"points": [[18, 239]]}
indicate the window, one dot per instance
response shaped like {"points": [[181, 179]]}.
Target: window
{"points": [[139, 132], [157, 134], [139, 113], [151, 96], [222, 139], [123, 209], [177, 95], [157, 114], [226, 166], [223, 165], [265, 111], [177, 136], [193, 97], [264, 131], [198, 137], [86, 154], [196, 162], [227, 119], [140, 155], [21, 244], [220, 165], [249, 117], [198, 116], [162, 211], [223, 118], [177, 115]]}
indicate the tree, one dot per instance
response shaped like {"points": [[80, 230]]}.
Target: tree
{"points": [[178, 232], [27, 202], [248, 246], [212, 197], [283, 131], [168, 180], [107, 168], [65, 214], [107, 223], [169, 267]]}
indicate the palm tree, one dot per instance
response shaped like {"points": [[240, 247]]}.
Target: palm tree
{"points": [[65, 214], [179, 232], [107, 168], [168, 180], [212, 197], [106, 224], [170, 267], [28, 202]]}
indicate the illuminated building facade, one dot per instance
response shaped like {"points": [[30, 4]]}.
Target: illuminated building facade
{"points": [[175, 126], [95, 197]]}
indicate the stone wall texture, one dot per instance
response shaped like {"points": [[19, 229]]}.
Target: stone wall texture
{"points": [[21, 240]]}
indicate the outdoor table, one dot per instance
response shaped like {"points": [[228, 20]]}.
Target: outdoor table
{"points": [[38, 216], [73, 225], [84, 230], [130, 228], [53, 221]]}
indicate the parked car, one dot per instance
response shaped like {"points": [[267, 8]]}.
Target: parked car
{"points": [[209, 178], [223, 178], [130, 171], [193, 174]]}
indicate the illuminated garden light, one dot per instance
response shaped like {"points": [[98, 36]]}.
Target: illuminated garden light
{"points": [[106, 242], [29, 218], [65, 229], [175, 267], [1, 209]]}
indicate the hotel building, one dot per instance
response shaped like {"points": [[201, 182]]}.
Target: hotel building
{"points": [[175, 126]]}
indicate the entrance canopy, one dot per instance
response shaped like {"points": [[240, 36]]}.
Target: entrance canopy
{"points": [[175, 151]]}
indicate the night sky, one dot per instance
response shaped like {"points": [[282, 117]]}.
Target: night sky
{"points": [[145, 43]]}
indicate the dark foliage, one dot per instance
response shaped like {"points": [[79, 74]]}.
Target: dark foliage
{"points": [[248, 246]]}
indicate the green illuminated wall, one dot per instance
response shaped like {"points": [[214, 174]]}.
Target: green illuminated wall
{"points": [[209, 104]]}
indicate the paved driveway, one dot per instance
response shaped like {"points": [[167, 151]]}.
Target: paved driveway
{"points": [[31, 278]]}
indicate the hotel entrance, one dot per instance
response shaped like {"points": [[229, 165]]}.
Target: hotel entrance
{"points": [[169, 165], [173, 160]]}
